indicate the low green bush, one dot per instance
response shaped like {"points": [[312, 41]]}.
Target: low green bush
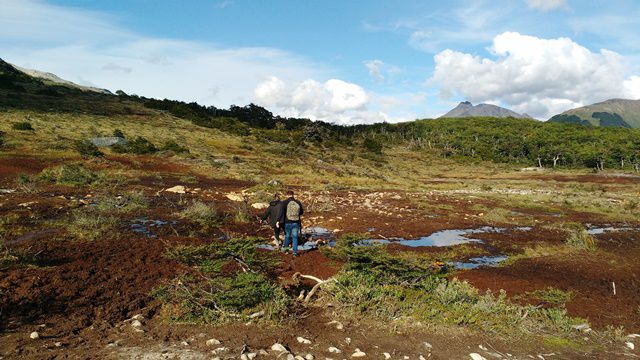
{"points": [[90, 224], [72, 174], [22, 126], [87, 149], [579, 238], [175, 147], [206, 216], [138, 146]]}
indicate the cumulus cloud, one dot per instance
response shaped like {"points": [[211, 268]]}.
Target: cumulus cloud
{"points": [[547, 5], [334, 100], [533, 75]]}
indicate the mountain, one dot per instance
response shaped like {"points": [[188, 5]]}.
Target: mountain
{"points": [[50, 78], [613, 112], [467, 109]]}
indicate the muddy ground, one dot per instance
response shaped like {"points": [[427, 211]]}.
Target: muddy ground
{"points": [[79, 295]]}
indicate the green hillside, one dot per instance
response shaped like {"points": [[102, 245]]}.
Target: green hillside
{"points": [[342, 149], [614, 112]]}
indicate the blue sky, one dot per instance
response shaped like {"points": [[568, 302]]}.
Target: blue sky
{"points": [[340, 61]]}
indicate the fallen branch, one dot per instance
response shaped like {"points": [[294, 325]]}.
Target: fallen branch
{"points": [[319, 283]]}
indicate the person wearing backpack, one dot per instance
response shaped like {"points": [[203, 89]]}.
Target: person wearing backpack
{"points": [[290, 213], [271, 213]]}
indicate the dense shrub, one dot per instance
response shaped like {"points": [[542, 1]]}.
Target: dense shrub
{"points": [[2, 135], [118, 133], [22, 126], [372, 145], [72, 174], [87, 149], [174, 146], [138, 145]]}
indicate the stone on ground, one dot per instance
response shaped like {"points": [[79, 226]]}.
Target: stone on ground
{"points": [[476, 356], [334, 350], [212, 342], [302, 340], [358, 354], [34, 335], [178, 189]]}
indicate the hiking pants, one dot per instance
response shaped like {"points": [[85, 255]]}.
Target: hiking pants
{"points": [[291, 230]]}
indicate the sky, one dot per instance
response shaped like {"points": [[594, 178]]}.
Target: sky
{"points": [[346, 62]]}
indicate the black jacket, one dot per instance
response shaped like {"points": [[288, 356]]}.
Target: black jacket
{"points": [[283, 211], [272, 212]]}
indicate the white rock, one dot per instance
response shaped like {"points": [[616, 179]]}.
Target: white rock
{"points": [[136, 324], [482, 347], [178, 189], [259, 206], [34, 335], [220, 350], [234, 197], [358, 354], [184, 343], [334, 350], [137, 317], [337, 324], [428, 345], [251, 356], [263, 352], [244, 357], [212, 342], [279, 348], [347, 340], [476, 356], [309, 357], [421, 358], [290, 357], [630, 345], [386, 355], [302, 340], [58, 344], [298, 357]]}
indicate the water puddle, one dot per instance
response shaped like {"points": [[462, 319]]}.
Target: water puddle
{"points": [[440, 238], [594, 230], [146, 226], [474, 263]]}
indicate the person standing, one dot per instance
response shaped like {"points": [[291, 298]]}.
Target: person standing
{"points": [[271, 213], [289, 217]]}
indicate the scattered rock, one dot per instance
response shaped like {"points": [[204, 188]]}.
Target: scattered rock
{"points": [[582, 327], [34, 335], [428, 345], [178, 189], [358, 354], [212, 342], [256, 314], [279, 348], [273, 182], [630, 345], [422, 357], [7, 191], [302, 340], [290, 356], [263, 352], [184, 343], [259, 206], [337, 324], [309, 357], [136, 323], [248, 356], [335, 350], [347, 340], [220, 350], [476, 356], [58, 344], [234, 197], [298, 357], [386, 355], [27, 204]]}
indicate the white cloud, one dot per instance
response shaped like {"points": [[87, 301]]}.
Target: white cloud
{"points": [[533, 75], [375, 69], [333, 101], [547, 5], [84, 46]]}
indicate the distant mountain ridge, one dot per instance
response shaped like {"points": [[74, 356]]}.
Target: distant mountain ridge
{"points": [[467, 109], [612, 112], [50, 78]]}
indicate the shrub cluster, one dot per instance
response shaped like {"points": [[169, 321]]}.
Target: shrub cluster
{"points": [[22, 126], [71, 174], [138, 146], [87, 149]]}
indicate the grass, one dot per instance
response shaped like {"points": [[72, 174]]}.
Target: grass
{"points": [[579, 238], [204, 215], [386, 287], [229, 281], [70, 174], [87, 224], [129, 201]]}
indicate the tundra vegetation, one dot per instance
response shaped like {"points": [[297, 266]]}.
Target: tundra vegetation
{"points": [[450, 172]]}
